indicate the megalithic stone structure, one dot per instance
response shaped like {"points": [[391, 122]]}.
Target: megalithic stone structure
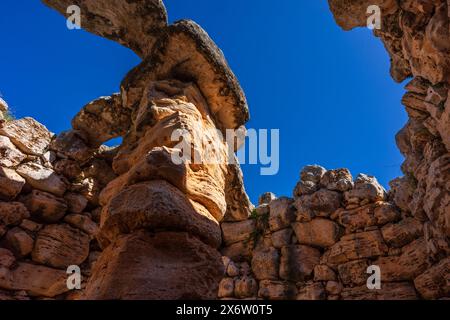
{"points": [[160, 220]]}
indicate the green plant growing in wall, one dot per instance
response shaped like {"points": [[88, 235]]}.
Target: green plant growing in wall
{"points": [[261, 225]]}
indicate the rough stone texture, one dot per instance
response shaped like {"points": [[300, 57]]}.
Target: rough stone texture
{"points": [[321, 203], [338, 180], [184, 83], [10, 156], [354, 272], [168, 264], [281, 214], [323, 272], [400, 234], [237, 231], [367, 187], [298, 262], [12, 213], [265, 263], [266, 198], [76, 202], [135, 24], [28, 135], [413, 261], [318, 232], [72, 144], [245, 287], [352, 14], [193, 55], [61, 246], [164, 207], [19, 241], [276, 290], [389, 291], [282, 238], [226, 288], [103, 119], [82, 222], [42, 178], [366, 216], [435, 282], [356, 246], [311, 291], [3, 107], [37, 281], [45, 206], [11, 184]]}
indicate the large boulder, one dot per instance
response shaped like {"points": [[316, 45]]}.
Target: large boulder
{"points": [[157, 205], [367, 187], [28, 135], [337, 180], [321, 203], [277, 290], [12, 213], [411, 263], [42, 178], [238, 231], [10, 156], [61, 246], [265, 263], [72, 144], [434, 283], [45, 206], [297, 262], [11, 184], [161, 266], [399, 234], [134, 24], [38, 281], [318, 232], [281, 214], [389, 291], [369, 244], [19, 241], [103, 119]]}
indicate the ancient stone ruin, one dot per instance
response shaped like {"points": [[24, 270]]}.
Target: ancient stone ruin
{"points": [[140, 226]]}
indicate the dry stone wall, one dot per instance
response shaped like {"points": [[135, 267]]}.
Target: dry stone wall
{"points": [[319, 244], [49, 209]]}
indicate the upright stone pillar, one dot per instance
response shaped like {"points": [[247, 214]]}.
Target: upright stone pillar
{"points": [[160, 219]]}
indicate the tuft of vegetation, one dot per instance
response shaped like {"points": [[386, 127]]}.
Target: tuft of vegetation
{"points": [[262, 223]]}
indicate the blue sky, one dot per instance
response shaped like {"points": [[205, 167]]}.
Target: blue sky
{"points": [[328, 91]]}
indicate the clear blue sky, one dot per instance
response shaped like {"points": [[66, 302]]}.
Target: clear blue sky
{"points": [[328, 91]]}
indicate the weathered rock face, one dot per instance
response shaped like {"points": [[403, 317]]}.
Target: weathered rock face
{"points": [[358, 224], [135, 24], [171, 265], [28, 135], [309, 253], [184, 84]]}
